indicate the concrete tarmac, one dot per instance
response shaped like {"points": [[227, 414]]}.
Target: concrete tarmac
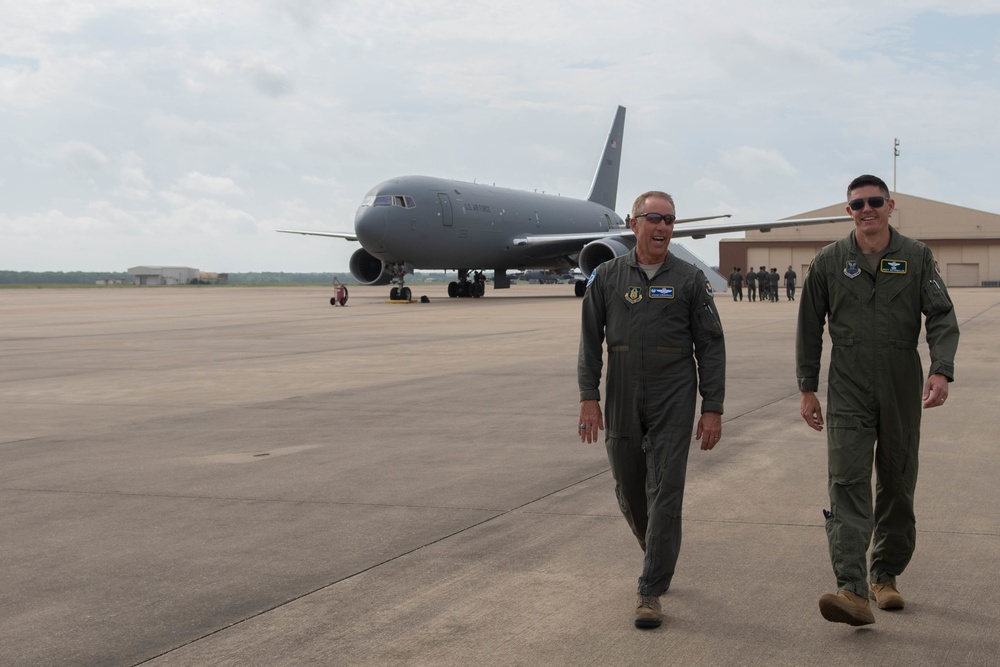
{"points": [[249, 476]]}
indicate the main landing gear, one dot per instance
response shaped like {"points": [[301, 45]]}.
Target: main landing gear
{"points": [[465, 287]]}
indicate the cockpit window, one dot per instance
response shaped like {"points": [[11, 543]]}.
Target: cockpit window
{"points": [[402, 201]]}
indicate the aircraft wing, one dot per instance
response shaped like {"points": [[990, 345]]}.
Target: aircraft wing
{"points": [[701, 231], [350, 236], [682, 229]]}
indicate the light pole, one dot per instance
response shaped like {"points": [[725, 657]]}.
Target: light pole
{"points": [[895, 154]]}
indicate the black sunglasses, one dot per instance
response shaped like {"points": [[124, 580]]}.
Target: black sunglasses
{"points": [[874, 202], [656, 217]]}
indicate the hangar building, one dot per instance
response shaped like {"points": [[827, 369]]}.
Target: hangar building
{"points": [[163, 275], [965, 242]]}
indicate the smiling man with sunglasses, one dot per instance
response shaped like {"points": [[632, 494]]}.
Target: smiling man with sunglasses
{"points": [[872, 288], [665, 345]]}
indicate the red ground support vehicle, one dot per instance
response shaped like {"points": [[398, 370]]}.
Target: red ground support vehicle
{"points": [[339, 296]]}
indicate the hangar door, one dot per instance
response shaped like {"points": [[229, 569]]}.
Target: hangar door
{"points": [[963, 275]]}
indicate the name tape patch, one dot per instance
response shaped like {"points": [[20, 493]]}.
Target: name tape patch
{"points": [[893, 266]]}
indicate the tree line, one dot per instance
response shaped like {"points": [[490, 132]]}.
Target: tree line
{"points": [[247, 278], [91, 277]]}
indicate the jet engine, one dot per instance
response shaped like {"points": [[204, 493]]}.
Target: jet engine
{"points": [[596, 253], [369, 270]]}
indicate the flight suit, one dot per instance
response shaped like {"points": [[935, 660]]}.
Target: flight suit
{"points": [[790, 277], [762, 285], [875, 386], [655, 331], [751, 286], [736, 284], [772, 286]]}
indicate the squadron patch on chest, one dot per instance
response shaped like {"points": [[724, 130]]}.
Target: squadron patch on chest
{"points": [[633, 294], [893, 266], [661, 292], [852, 270]]}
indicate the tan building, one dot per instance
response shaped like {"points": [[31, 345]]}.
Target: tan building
{"points": [[965, 242]]}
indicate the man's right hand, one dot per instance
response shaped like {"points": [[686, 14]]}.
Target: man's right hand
{"points": [[811, 411], [591, 420]]}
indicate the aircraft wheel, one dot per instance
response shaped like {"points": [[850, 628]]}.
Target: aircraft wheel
{"points": [[580, 288], [478, 289], [405, 294], [394, 294]]}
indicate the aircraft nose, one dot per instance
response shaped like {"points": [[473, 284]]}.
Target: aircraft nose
{"points": [[370, 225]]}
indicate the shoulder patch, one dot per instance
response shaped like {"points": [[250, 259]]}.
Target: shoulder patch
{"points": [[593, 274], [708, 287]]}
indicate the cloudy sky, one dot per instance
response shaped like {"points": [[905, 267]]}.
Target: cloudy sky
{"points": [[185, 132]]}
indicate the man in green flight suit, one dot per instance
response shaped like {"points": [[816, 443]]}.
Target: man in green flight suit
{"points": [[872, 288], [658, 316]]}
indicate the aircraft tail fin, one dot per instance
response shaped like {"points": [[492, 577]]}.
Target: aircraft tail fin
{"points": [[604, 190]]}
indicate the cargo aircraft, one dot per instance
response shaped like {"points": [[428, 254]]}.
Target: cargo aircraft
{"points": [[423, 222]]}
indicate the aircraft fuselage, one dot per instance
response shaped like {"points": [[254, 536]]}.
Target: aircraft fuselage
{"points": [[436, 223]]}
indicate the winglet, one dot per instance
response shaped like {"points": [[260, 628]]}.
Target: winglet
{"points": [[604, 190]]}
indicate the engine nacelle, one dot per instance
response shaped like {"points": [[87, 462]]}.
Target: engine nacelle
{"points": [[369, 270], [596, 253]]}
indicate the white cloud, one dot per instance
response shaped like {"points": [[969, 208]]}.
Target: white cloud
{"points": [[212, 185], [133, 184], [756, 162], [80, 156]]}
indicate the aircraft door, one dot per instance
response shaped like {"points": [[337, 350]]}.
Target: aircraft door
{"points": [[444, 206]]}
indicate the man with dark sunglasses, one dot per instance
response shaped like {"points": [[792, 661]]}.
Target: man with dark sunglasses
{"points": [[665, 345], [872, 288]]}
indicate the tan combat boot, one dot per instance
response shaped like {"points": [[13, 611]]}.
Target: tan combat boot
{"points": [[647, 612], [886, 595], [846, 607]]}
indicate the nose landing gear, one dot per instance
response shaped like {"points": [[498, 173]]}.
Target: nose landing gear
{"points": [[400, 292]]}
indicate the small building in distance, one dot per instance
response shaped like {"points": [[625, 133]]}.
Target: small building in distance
{"points": [[163, 275], [965, 242], [212, 278]]}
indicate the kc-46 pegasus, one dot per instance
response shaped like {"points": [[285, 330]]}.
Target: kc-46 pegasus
{"points": [[428, 223]]}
